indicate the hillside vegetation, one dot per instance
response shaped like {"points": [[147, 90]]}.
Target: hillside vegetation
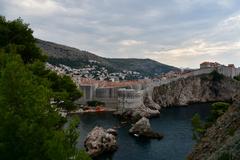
{"points": [[60, 54], [221, 141], [31, 127]]}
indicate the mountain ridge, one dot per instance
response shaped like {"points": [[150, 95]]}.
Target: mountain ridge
{"points": [[76, 58]]}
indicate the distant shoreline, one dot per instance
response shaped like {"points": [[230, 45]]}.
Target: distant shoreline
{"points": [[92, 111]]}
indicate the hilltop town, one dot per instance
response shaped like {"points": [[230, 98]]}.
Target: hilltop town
{"points": [[93, 71]]}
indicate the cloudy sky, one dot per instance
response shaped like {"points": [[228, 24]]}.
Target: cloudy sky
{"points": [[182, 33]]}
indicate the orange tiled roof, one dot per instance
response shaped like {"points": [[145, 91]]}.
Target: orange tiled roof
{"points": [[105, 84]]}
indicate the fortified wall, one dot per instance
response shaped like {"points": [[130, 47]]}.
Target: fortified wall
{"points": [[114, 97], [228, 71], [128, 95]]}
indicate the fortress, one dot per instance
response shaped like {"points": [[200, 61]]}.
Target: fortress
{"points": [[205, 68], [114, 94], [128, 94]]}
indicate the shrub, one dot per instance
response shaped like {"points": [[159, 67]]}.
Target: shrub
{"points": [[95, 103], [198, 127], [231, 131], [237, 78], [225, 156], [217, 109], [216, 76]]}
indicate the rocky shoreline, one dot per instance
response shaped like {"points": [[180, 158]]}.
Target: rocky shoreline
{"points": [[195, 89], [179, 93]]}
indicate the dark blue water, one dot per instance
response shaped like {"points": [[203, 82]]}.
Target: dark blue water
{"points": [[174, 123]]}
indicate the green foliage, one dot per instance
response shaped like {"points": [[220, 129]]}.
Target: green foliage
{"points": [[29, 124], [237, 78], [216, 76], [16, 38], [64, 90], [217, 109], [30, 127], [204, 78], [198, 127], [95, 103], [231, 131], [18, 35], [225, 156]]}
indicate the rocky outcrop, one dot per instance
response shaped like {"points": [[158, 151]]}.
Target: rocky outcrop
{"points": [[203, 88], [147, 108], [100, 140], [136, 113], [221, 140], [143, 128], [143, 111], [148, 102]]}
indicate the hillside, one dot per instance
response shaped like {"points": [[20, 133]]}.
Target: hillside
{"points": [[60, 54], [222, 140]]}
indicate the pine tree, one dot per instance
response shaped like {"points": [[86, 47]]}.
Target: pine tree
{"points": [[29, 127]]}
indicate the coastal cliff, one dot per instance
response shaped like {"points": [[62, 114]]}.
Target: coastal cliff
{"points": [[222, 140], [203, 88]]}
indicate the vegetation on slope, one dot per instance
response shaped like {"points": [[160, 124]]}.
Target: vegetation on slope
{"points": [[146, 67], [221, 141], [31, 127], [64, 89], [60, 54], [200, 127], [237, 78], [16, 38]]}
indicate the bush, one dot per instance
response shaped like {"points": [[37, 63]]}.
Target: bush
{"points": [[217, 109], [216, 76], [231, 131], [225, 156], [64, 89], [95, 103], [198, 127], [237, 78]]}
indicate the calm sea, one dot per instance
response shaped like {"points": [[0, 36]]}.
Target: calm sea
{"points": [[174, 123]]}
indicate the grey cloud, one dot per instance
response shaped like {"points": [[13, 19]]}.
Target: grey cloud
{"points": [[101, 26]]}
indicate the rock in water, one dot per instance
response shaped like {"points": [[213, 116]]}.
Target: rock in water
{"points": [[143, 128], [112, 131], [143, 111], [143, 125], [100, 140]]}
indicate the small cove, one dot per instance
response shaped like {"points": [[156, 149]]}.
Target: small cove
{"points": [[174, 123]]}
